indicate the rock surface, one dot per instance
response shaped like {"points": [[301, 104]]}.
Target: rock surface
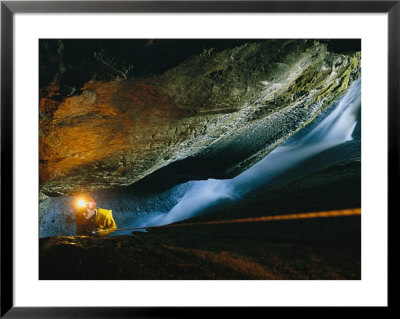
{"points": [[223, 109], [317, 249], [326, 249]]}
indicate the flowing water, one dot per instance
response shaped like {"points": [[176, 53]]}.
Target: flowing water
{"points": [[333, 127], [312, 148]]}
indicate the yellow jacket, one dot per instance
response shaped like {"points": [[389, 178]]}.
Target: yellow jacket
{"points": [[105, 221], [102, 223]]}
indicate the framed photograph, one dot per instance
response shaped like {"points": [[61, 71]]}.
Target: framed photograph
{"points": [[165, 157]]}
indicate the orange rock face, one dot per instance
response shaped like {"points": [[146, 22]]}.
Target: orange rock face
{"points": [[103, 125], [226, 109]]}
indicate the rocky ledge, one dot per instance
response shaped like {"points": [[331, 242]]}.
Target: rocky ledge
{"points": [[305, 249], [326, 248]]}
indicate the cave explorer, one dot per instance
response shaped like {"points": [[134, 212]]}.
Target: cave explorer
{"points": [[93, 221]]}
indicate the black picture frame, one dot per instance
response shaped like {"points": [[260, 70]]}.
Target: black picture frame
{"points": [[9, 8]]}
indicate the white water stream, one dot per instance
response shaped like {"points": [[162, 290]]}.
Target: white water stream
{"points": [[334, 128]]}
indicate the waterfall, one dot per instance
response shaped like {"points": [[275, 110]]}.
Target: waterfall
{"points": [[336, 127], [333, 127]]}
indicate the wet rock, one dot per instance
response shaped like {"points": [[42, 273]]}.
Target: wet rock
{"points": [[226, 109]]}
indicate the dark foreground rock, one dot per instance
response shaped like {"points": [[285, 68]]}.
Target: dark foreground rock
{"points": [[326, 248], [297, 249]]}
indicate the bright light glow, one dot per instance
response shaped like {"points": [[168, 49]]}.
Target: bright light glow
{"points": [[81, 203]]}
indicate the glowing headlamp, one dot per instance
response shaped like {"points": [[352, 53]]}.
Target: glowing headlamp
{"points": [[81, 203]]}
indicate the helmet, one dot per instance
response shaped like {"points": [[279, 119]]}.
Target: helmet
{"points": [[86, 202], [91, 203]]}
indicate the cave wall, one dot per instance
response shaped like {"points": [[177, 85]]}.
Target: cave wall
{"points": [[224, 107]]}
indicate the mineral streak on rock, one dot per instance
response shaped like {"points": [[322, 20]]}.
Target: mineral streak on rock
{"points": [[226, 109]]}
